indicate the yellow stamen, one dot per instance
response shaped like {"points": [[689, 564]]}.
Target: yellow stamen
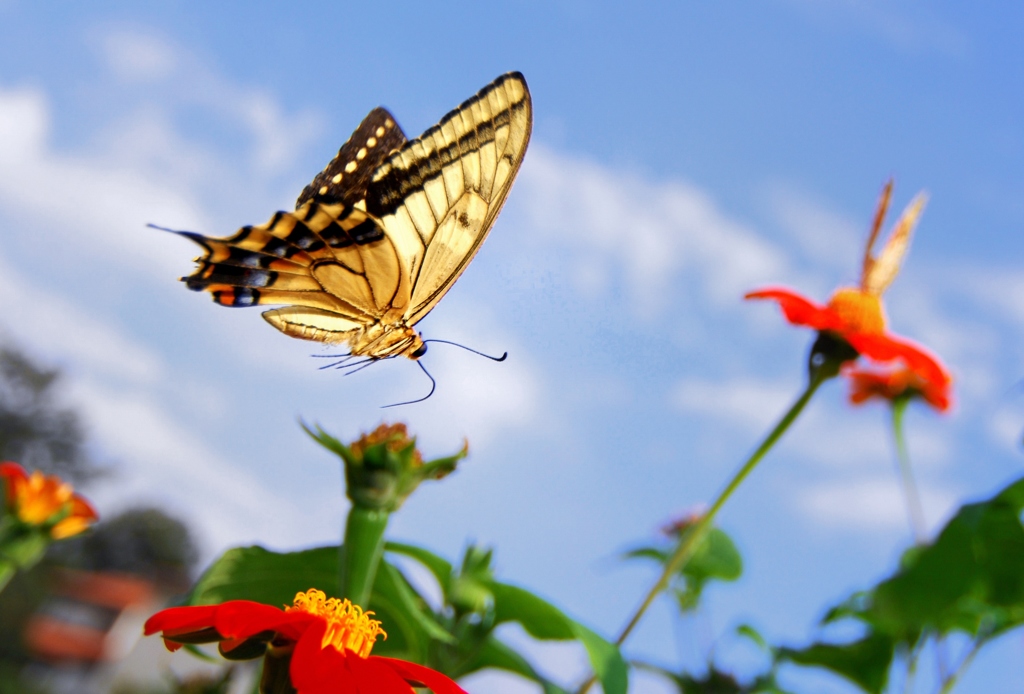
{"points": [[347, 625], [861, 311]]}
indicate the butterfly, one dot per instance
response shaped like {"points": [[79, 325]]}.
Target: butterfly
{"points": [[383, 232]]}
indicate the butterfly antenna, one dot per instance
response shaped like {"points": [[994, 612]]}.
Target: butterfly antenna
{"points": [[433, 386], [503, 357], [173, 231]]}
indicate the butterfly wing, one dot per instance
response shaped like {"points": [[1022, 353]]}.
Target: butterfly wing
{"points": [[438, 196], [346, 176]]}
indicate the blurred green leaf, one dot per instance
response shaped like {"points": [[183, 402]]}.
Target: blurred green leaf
{"points": [[716, 558], [544, 621], [538, 617], [864, 662], [495, 654], [754, 635], [970, 579], [440, 567], [715, 681]]}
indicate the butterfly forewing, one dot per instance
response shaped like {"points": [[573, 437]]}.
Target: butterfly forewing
{"points": [[345, 178], [383, 232], [438, 196]]}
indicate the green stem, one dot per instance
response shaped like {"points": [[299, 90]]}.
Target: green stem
{"points": [[910, 493], [7, 571], [950, 682], [361, 554], [684, 551], [686, 548]]}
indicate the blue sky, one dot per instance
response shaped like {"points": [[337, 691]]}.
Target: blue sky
{"points": [[682, 154]]}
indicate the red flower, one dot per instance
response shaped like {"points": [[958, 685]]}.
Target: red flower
{"points": [[893, 385], [328, 641], [39, 499], [856, 314]]}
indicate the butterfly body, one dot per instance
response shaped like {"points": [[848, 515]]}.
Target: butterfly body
{"points": [[383, 232]]}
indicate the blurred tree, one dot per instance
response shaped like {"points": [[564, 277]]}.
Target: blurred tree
{"points": [[35, 430], [141, 541], [39, 432]]}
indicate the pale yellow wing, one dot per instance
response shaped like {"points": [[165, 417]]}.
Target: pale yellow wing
{"points": [[438, 196], [882, 269]]}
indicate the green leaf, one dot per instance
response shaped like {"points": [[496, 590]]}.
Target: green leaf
{"points": [[254, 573], [655, 553], [495, 654], [606, 660], [865, 662], [754, 635], [717, 558], [541, 619], [544, 621], [440, 567], [391, 583], [970, 579]]}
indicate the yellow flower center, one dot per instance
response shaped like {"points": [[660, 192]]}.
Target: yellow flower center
{"points": [[39, 498], [860, 311], [347, 625]]}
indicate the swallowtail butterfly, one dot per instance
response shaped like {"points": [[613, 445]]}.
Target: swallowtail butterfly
{"points": [[383, 232]]}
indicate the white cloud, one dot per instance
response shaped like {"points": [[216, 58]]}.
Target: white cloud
{"points": [[162, 461], [136, 56], [88, 207], [649, 232], [827, 238], [917, 31], [753, 405], [54, 326], [870, 503]]}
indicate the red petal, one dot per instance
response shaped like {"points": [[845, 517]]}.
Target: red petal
{"points": [[81, 508], [318, 670], [181, 619], [418, 674], [13, 474], [9, 470], [243, 618], [377, 676], [800, 310], [886, 348]]}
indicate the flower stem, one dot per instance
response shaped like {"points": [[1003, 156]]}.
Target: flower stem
{"points": [[7, 571], [950, 681], [684, 551], [910, 493], [361, 554]]}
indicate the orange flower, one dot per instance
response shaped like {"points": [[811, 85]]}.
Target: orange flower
{"points": [[327, 640], [892, 385], [856, 314], [39, 499]]}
